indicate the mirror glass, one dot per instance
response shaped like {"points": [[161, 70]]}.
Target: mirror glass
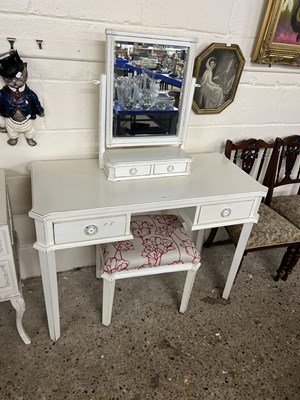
{"points": [[147, 88], [148, 80]]}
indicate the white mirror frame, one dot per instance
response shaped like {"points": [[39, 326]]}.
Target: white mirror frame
{"points": [[186, 93]]}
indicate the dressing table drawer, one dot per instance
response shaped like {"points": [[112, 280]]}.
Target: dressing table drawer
{"points": [[132, 171], [141, 163], [224, 212], [89, 229], [170, 168]]}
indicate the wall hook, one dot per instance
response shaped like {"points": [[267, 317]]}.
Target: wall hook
{"points": [[11, 42], [39, 42]]}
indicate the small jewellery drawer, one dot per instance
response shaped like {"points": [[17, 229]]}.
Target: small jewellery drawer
{"points": [[89, 229], [132, 170], [225, 212], [171, 168]]}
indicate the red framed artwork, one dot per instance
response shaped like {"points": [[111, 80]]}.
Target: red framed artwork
{"points": [[279, 38]]}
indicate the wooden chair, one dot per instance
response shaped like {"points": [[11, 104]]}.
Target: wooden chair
{"points": [[159, 245], [252, 156], [285, 162], [272, 229]]}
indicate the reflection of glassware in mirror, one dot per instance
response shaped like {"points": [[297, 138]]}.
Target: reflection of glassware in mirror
{"points": [[154, 95], [144, 62], [120, 91], [145, 99], [128, 103], [154, 84], [164, 101], [154, 90], [171, 102], [127, 92]]}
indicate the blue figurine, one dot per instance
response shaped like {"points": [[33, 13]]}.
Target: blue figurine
{"points": [[19, 105]]}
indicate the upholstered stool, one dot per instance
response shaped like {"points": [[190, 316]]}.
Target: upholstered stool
{"points": [[159, 245]]}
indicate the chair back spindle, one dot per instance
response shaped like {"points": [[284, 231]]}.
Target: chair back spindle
{"points": [[285, 161], [250, 155]]}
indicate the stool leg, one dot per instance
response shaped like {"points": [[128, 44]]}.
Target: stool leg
{"points": [[108, 298], [188, 286], [99, 261]]}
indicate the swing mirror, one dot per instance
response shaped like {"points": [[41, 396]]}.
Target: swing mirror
{"points": [[148, 89]]}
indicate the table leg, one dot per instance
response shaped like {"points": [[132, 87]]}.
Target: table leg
{"points": [[19, 305], [237, 258], [49, 279]]}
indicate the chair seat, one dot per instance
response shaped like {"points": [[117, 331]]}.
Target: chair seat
{"points": [[288, 207], [271, 230], [158, 240]]}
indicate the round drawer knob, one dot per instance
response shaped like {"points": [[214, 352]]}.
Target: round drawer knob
{"points": [[133, 171], [226, 212], [91, 230], [170, 168]]}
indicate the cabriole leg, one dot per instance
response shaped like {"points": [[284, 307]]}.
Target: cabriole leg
{"points": [[19, 305]]}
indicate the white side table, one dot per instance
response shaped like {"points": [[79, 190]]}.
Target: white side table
{"points": [[9, 287]]}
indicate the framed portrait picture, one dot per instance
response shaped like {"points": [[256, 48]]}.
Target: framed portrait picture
{"points": [[279, 37], [217, 71]]}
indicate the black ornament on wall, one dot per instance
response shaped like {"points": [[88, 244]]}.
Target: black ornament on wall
{"points": [[19, 105]]}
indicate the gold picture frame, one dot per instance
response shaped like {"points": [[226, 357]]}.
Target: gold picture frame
{"points": [[279, 38], [217, 71]]}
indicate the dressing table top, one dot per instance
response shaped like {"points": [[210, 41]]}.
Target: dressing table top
{"points": [[80, 186]]}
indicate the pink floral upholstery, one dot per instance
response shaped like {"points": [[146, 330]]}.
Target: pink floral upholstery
{"points": [[157, 240]]}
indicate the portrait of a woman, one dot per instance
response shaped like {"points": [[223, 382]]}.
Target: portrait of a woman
{"points": [[217, 71], [210, 94]]}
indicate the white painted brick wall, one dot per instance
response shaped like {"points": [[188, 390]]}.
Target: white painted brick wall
{"points": [[73, 34]]}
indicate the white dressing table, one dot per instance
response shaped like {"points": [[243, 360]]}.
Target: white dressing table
{"points": [[75, 205]]}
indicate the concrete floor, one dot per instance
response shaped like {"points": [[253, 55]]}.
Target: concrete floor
{"points": [[243, 348]]}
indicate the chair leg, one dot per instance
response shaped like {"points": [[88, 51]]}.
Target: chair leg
{"points": [[211, 237], [284, 263], [292, 263], [108, 298], [289, 260], [188, 286]]}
